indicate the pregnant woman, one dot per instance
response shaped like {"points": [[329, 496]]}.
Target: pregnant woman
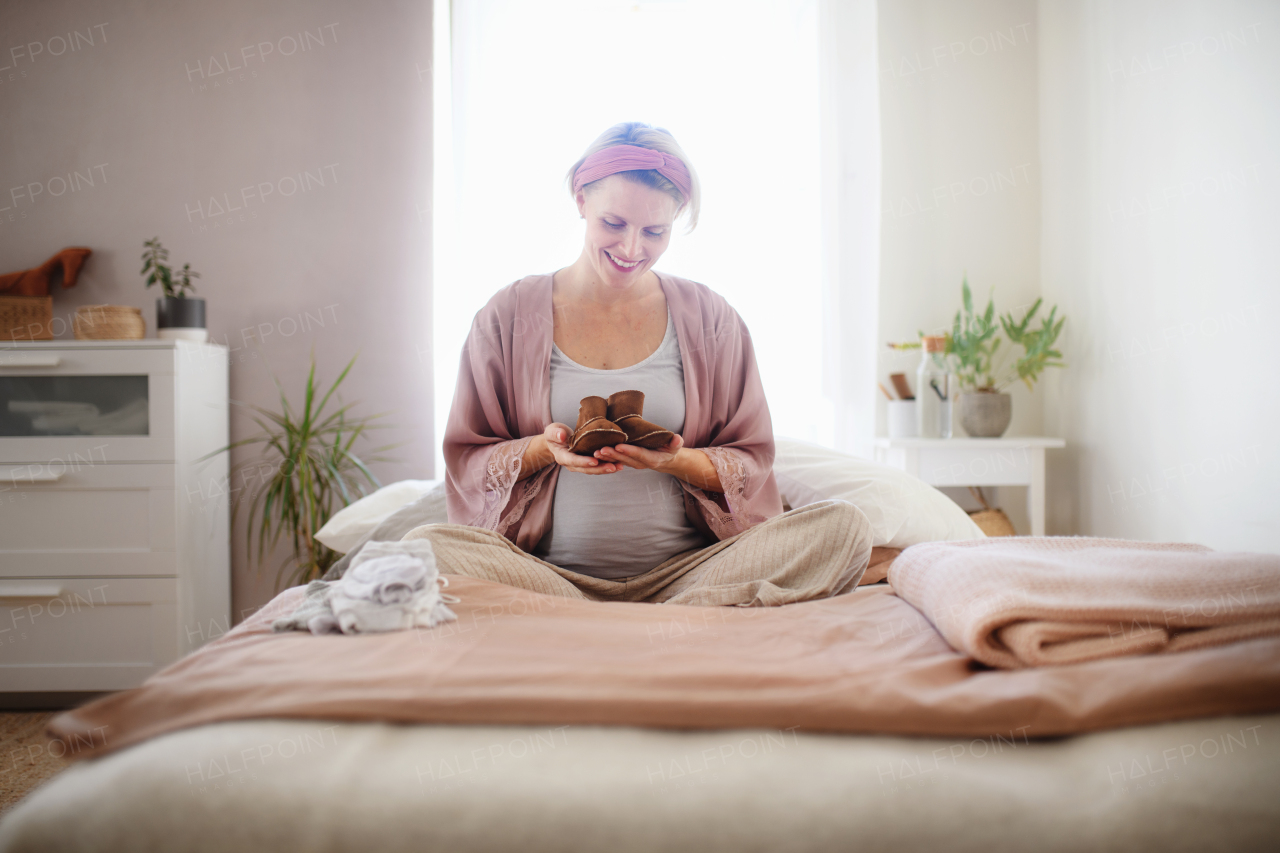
{"points": [[694, 520]]}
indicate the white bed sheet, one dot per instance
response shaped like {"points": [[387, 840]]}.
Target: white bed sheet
{"points": [[377, 788]]}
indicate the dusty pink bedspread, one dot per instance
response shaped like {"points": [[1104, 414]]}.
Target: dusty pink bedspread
{"points": [[862, 662]]}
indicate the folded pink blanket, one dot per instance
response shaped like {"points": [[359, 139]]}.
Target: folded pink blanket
{"points": [[1037, 601]]}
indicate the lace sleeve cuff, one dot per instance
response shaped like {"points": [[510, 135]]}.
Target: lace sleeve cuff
{"points": [[733, 478], [502, 471]]}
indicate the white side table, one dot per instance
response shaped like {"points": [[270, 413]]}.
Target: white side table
{"points": [[1017, 461]]}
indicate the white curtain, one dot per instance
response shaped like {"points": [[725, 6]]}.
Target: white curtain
{"points": [[521, 88]]}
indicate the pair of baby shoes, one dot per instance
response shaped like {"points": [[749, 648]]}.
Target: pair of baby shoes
{"points": [[617, 420]]}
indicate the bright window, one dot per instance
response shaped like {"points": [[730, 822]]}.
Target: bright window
{"points": [[531, 84]]}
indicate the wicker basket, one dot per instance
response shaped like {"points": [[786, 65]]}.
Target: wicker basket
{"points": [[992, 522], [26, 318], [109, 323]]}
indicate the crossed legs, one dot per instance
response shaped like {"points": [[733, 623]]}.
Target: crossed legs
{"points": [[812, 552]]}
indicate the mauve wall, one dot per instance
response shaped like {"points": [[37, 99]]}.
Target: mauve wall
{"points": [[283, 149]]}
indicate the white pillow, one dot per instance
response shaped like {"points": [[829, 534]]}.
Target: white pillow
{"points": [[351, 524], [903, 510]]}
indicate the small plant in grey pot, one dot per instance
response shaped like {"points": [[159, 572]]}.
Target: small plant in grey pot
{"points": [[983, 369], [178, 316]]}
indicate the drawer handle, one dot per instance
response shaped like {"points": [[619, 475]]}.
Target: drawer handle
{"points": [[30, 590], [20, 475], [17, 360]]}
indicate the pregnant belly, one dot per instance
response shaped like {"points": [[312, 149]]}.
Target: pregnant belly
{"points": [[617, 525]]}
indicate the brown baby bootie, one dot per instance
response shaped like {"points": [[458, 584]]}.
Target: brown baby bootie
{"points": [[594, 430], [625, 409]]}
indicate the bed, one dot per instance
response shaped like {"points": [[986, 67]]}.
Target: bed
{"points": [[840, 724], [331, 786]]}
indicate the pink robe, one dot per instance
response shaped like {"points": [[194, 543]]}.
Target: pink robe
{"points": [[503, 400]]}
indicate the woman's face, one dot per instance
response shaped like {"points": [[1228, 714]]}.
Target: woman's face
{"points": [[628, 228]]}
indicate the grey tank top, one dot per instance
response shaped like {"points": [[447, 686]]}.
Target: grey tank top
{"points": [[622, 524]]}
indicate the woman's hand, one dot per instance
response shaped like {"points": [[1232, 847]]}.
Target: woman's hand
{"points": [[640, 459], [636, 457], [692, 466], [556, 438], [683, 463]]}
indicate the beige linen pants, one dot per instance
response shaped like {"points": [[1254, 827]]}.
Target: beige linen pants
{"points": [[815, 551]]}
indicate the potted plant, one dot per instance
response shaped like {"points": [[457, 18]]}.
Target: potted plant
{"points": [[308, 469], [984, 409], [178, 317], [982, 368]]}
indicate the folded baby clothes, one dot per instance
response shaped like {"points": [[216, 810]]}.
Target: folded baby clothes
{"points": [[390, 586], [314, 613]]}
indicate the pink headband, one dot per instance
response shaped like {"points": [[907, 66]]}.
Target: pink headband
{"points": [[628, 158]]}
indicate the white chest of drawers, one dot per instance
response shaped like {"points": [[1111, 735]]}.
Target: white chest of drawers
{"points": [[114, 540]]}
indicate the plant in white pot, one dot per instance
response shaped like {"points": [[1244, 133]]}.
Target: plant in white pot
{"points": [[983, 371], [178, 317]]}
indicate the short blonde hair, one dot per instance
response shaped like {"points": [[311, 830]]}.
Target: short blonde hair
{"points": [[656, 139]]}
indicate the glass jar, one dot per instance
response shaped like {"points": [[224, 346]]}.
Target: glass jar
{"points": [[934, 389]]}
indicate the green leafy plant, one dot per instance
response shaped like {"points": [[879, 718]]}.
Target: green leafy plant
{"points": [[155, 259], [311, 466], [973, 345], [1037, 344]]}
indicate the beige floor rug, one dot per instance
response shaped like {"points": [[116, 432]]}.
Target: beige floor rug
{"points": [[25, 756]]}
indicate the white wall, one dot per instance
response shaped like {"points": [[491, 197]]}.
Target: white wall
{"points": [[960, 182], [960, 171], [166, 136], [1160, 127]]}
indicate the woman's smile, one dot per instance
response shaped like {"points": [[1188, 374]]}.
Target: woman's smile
{"points": [[622, 265]]}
